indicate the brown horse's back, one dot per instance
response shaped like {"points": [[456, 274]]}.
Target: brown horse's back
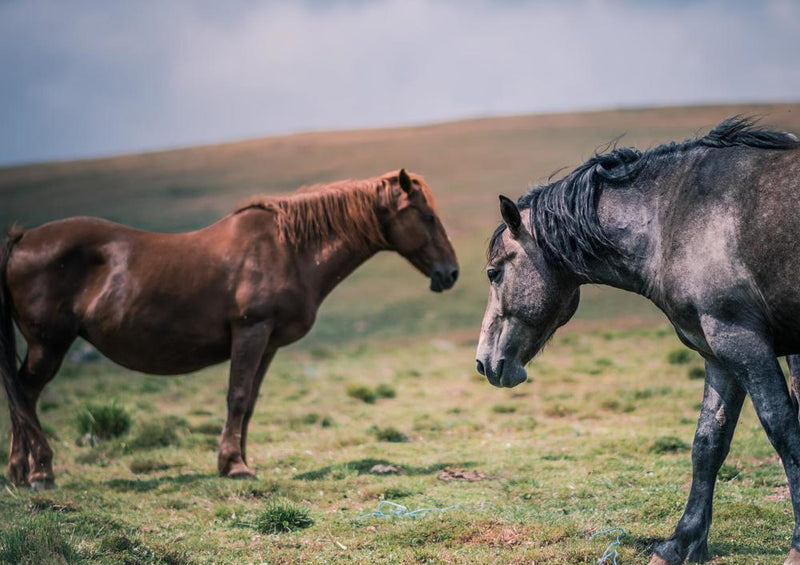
{"points": [[158, 303]]}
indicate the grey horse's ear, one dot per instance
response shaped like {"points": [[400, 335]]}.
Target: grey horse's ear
{"points": [[405, 181], [511, 215]]}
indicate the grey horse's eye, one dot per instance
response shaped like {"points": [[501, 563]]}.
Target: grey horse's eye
{"points": [[493, 274]]}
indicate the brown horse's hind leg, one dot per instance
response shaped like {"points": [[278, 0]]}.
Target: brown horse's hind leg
{"points": [[31, 458], [265, 362], [249, 361]]}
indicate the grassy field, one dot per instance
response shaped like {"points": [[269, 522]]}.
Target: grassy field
{"points": [[600, 437]]}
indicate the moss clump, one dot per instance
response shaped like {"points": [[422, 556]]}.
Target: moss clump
{"points": [[362, 393], [384, 390], [679, 356], [696, 373]]}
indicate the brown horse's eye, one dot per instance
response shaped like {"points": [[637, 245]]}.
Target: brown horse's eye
{"points": [[493, 274], [429, 219]]}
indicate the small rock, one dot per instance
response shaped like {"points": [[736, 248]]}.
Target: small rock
{"points": [[456, 474], [384, 469]]}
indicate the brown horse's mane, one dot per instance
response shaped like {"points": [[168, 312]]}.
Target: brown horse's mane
{"points": [[345, 209]]}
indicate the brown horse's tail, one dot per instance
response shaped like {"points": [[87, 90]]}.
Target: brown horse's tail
{"points": [[8, 349]]}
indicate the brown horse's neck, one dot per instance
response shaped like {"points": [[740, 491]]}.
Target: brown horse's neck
{"points": [[331, 229], [335, 261]]}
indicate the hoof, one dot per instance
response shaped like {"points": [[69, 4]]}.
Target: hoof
{"points": [[240, 471], [43, 484], [793, 558]]}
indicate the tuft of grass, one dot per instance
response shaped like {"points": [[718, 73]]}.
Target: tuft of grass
{"points": [[209, 428], [729, 472], [396, 492], [669, 444], [697, 373], [104, 421], [559, 411], [326, 421], [143, 465], [504, 408], [36, 540], [281, 516], [679, 356], [362, 393], [390, 434], [310, 418], [48, 405], [384, 390], [157, 433]]}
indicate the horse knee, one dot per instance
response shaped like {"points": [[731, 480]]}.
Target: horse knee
{"points": [[238, 402]]}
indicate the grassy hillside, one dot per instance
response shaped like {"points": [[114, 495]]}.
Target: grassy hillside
{"points": [[599, 438], [467, 163]]}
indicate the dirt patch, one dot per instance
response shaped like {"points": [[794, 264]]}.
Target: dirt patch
{"points": [[779, 494], [498, 534]]}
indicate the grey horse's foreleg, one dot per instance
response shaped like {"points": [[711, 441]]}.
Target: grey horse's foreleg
{"points": [[722, 403]]}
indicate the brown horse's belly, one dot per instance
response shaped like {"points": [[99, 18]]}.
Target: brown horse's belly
{"points": [[163, 354]]}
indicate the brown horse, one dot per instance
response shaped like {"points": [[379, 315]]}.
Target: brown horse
{"points": [[174, 303]]}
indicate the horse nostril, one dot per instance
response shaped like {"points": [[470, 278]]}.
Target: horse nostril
{"points": [[480, 368], [454, 275]]}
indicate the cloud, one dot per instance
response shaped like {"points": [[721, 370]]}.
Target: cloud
{"points": [[92, 78]]}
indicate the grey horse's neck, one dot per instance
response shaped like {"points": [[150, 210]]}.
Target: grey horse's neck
{"points": [[630, 219]]}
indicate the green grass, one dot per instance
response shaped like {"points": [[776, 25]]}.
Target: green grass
{"points": [[37, 540], [564, 463]]}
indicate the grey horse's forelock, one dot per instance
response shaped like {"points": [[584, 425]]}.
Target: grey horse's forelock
{"points": [[563, 214]]}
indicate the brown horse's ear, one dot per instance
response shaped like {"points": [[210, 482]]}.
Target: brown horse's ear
{"points": [[511, 215], [405, 181]]}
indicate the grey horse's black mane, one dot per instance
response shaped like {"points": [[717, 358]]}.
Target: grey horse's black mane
{"points": [[563, 214]]}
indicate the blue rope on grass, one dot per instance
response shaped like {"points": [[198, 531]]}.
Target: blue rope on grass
{"points": [[389, 509], [611, 551]]}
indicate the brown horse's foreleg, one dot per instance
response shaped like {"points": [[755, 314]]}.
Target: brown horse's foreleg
{"points": [[31, 458], [248, 352]]}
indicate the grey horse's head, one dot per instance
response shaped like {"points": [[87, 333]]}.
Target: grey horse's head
{"points": [[529, 298]]}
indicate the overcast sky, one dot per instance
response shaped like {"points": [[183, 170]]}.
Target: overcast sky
{"points": [[84, 79]]}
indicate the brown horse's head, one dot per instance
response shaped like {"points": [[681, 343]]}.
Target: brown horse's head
{"points": [[413, 228]]}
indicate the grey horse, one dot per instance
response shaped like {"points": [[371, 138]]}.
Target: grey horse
{"points": [[707, 229]]}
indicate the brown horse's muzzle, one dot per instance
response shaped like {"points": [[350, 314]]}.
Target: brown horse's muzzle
{"points": [[443, 277]]}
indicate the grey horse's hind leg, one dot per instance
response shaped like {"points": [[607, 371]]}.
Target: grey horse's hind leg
{"points": [[722, 403], [794, 381], [749, 355]]}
